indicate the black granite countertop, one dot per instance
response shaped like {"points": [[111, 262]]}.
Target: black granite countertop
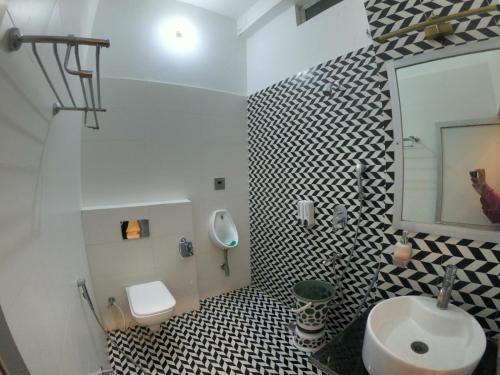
{"points": [[342, 355]]}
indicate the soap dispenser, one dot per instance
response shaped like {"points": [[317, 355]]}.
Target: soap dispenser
{"points": [[402, 251]]}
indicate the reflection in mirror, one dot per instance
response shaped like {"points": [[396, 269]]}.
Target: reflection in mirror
{"points": [[451, 140]]}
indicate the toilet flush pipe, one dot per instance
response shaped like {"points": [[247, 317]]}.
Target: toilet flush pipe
{"points": [[225, 265]]}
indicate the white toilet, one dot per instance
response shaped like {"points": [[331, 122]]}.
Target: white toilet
{"points": [[150, 304]]}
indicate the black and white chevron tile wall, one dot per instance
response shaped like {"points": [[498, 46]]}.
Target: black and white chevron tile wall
{"points": [[478, 288], [304, 145]]}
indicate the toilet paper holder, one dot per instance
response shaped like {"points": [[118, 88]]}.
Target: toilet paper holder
{"points": [[185, 248]]}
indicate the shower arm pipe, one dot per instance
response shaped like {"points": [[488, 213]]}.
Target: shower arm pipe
{"points": [[437, 20]]}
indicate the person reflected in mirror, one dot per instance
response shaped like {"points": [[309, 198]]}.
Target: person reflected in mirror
{"points": [[490, 200]]}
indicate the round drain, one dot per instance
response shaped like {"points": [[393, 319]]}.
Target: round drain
{"points": [[419, 347]]}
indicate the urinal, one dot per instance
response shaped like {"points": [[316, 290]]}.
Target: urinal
{"points": [[223, 234]]}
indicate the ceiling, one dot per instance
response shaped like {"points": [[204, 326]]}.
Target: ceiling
{"points": [[228, 8]]}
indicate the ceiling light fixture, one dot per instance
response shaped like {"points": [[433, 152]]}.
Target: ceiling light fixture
{"points": [[179, 35]]}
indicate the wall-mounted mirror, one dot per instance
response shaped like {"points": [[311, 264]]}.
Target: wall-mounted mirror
{"points": [[447, 136]]}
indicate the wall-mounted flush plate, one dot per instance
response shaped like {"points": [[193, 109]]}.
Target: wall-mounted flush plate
{"points": [[220, 183], [134, 229]]}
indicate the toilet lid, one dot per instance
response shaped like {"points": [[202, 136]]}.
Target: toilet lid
{"points": [[150, 298]]}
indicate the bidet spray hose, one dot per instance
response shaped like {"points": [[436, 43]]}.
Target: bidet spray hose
{"points": [[85, 294]]}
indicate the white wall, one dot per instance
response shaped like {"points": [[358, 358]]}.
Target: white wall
{"points": [[281, 48], [163, 142], [116, 264], [138, 47], [41, 243]]}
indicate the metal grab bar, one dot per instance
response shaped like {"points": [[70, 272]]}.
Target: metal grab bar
{"points": [[14, 42]]}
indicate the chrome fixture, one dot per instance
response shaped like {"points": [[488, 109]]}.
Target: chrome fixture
{"points": [[409, 142], [14, 42], [82, 287], [443, 297], [185, 248], [331, 260], [360, 169], [329, 88]]}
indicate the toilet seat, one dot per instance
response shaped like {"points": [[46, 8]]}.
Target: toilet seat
{"points": [[150, 299]]}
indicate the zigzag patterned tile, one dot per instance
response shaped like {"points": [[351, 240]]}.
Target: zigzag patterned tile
{"points": [[243, 332], [303, 145], [478, 288]]}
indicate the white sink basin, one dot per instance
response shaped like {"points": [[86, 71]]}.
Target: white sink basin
{"points": [[411, 336]]}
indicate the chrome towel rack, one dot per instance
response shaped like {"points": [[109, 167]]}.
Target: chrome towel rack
{"points": [[14, 42], [410, 142]]}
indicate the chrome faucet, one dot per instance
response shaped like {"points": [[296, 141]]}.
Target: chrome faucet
{"points": [[443, 297]]}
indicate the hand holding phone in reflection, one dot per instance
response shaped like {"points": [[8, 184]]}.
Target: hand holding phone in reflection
{"points": [[490, 200], [478, 179]]}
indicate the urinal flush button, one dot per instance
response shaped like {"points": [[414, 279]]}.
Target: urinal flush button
{"points": [[220, 183]]}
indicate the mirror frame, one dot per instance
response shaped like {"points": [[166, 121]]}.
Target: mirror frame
{"points": [[397, 218]]}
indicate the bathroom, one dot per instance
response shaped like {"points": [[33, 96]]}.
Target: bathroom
{"points": [[184, 181]]}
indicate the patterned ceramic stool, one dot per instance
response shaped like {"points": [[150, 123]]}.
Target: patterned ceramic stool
{"points": [[313, 298]]}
